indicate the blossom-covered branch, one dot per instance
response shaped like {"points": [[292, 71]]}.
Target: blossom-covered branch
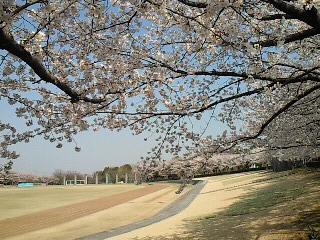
{"points": [[171, 68]]}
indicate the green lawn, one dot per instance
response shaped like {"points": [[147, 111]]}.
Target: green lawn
{"points": [[286, 206], [270, 196]]}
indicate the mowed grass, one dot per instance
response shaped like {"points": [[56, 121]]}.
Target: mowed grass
{"points": [[19, 201], [284, 209], [238, 178], [283, 205], [262, 199]]}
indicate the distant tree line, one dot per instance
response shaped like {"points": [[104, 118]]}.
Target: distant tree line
{"points": [[120, 171], [59, 174], [13, 178], [111, 171], [10, 177]]}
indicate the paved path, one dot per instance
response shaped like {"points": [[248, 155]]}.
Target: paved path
{"points": [[47, 218], [174, 208]]}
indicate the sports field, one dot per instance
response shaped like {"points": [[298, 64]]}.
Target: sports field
{"points": [[67, 212], [255, 205], [20, 201]]}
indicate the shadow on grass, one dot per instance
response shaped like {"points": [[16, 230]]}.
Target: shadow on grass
{"points": [[308, 218]]}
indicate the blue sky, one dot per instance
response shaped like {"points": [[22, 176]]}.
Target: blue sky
{"points": [[98, 149]]}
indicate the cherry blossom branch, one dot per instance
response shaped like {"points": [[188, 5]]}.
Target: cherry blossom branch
{"points": [[291, 146], [194, 4], [310, 17], [291, 38], [234, 97], [194, 18], [275, 17], [310, 77], [277, 113], [22, 7], [117, 24], [8, 43], [43, 26]]}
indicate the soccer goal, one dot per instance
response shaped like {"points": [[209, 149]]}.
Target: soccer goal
{"points": [[73, 182]]}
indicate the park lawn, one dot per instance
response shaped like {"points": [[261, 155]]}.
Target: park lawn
{"points": [[259, 205], [238, 178], [20, 201], [244, 178], [123, 214], [286, 209]]}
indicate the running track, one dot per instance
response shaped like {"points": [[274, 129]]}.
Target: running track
{"points": [[51, 217]]}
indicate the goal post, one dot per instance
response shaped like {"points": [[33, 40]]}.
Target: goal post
{"points": [[77, 182]]}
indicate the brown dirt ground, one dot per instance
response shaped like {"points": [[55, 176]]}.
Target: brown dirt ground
{"points": [[47, 218]]}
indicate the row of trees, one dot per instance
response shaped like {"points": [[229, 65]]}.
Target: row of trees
{"points": [[190, 166], [10, 177], [59, 174], [111, 171], [185, 168], [168, 67], [209, 164], [120, 171], [13, 178]]}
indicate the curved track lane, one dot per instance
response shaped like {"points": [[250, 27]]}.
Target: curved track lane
{"points": [[174, 208]]}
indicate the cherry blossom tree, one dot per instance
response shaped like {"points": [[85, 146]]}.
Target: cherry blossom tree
{"points": [[164, 67], [11, 178], [187, 167], [293, 135], [5, 171]]}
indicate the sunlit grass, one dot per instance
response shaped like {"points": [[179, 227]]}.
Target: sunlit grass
{"points": [[270, 196]]}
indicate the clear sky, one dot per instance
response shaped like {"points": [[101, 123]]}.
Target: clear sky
{"points": [[98, 149]]}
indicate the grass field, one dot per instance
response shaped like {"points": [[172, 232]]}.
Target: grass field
{"points": [[68, 212], [19, 201], [256, 205], [287, 208]]}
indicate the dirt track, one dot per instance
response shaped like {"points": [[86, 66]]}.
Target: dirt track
{"points": [[35, 221]]}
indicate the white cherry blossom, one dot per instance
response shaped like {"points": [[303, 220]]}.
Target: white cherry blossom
{"points": [[168, 68]]}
